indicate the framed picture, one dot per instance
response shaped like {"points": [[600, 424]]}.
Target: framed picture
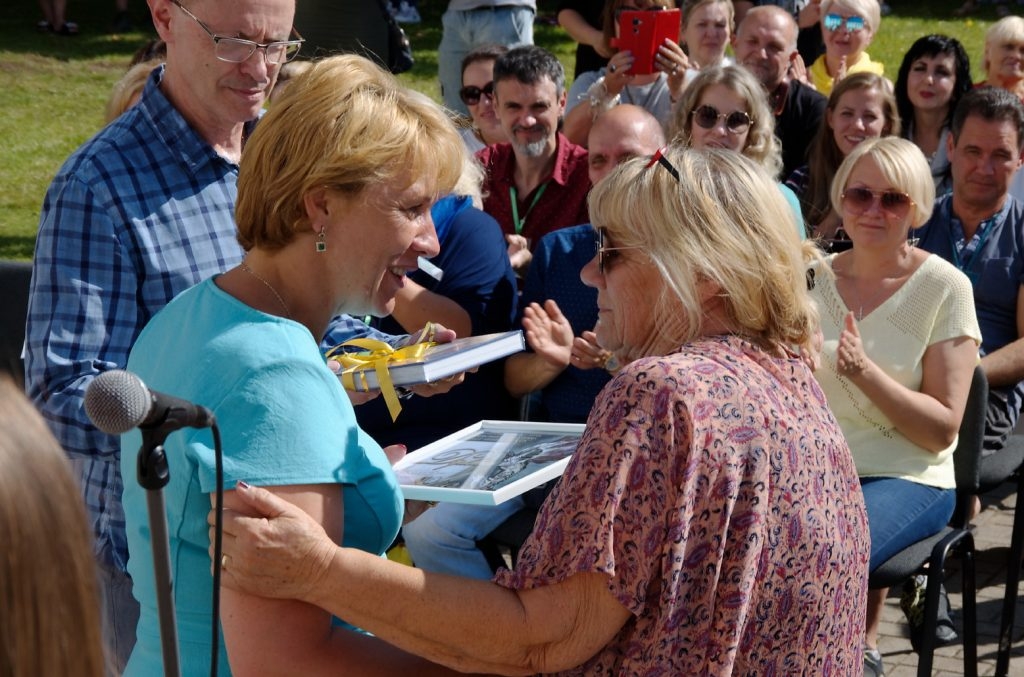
{"points": [[489, 462]]}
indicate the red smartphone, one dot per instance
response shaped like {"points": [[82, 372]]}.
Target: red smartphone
{"points": [[642, 32]]}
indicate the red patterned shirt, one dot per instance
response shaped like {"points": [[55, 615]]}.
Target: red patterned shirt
{"points": [[562, 203]]}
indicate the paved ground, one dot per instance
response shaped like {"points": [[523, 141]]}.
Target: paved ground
{"points": [[992, 538]]}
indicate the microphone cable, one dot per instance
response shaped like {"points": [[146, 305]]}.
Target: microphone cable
{"points": [[218, 544]]}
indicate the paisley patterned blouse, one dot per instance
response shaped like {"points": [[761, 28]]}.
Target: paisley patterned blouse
{"points": [[714, 488]]}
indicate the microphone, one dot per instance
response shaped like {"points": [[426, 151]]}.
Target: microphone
{"points": [[117, 401]]}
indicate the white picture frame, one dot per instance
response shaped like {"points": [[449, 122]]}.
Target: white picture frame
{"points": [[488, 462]]}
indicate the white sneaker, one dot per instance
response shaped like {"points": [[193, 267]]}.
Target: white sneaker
{"points": [[407, 14]]}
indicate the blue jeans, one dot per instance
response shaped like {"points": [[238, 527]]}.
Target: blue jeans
{"points": [[465, 30], [901, 512], [120, 615], [443, 539]]}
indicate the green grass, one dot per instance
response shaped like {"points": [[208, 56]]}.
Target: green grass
{"points": [[53, 90]]}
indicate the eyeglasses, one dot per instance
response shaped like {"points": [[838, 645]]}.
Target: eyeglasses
{"points": [[237, 50], [470, 94], [599, 240], [833, 22], [707, 117], [891, 202]]}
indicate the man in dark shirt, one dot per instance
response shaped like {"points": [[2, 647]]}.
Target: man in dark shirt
{"points": [[765, 43], [538, 182]]}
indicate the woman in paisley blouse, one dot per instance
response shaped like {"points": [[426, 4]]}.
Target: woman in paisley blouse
{"points": [[900, 344], [710, 521]]}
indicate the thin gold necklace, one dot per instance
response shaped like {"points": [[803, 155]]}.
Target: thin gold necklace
{"points": [[287, 311]]}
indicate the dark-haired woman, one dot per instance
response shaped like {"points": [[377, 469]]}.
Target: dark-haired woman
{"points": [[934, 76]]}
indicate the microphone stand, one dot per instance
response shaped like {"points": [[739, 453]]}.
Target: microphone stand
{"points": [[153, 475]]}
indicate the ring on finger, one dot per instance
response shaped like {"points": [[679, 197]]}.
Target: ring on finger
{"points": [[224, 562], [611, 68]]}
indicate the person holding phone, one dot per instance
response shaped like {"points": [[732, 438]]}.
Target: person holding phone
{"points": [[595, 92]]}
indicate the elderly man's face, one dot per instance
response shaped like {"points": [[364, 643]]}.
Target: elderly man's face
{"points": [[212, 94], [529, 114], [983, 161], [614, 141], [764, 46]]}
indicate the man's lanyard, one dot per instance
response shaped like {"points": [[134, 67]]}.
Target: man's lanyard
{"points": [[981, 236], [520, 224]]}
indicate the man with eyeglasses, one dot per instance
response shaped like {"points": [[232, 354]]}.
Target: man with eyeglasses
{"points": [[979, 227], [139, 213], [765, 44], [538, 181]]}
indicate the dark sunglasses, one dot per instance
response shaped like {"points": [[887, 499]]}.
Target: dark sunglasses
{"points": [[891, 202], [599, 240], [833, 22], [470, 94], [707, 117]]}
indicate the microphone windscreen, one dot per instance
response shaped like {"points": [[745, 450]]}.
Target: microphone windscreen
{"points": [[117, 401]]}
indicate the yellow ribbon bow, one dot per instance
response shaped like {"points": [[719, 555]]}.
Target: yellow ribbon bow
{"points": [[378, 357]]}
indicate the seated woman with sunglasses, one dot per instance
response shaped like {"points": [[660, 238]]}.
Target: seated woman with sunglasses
{"points": [[477, 93], [847, 26], [860, 107], [657, 552], [594, 92], [900, 344], [726, 107]]}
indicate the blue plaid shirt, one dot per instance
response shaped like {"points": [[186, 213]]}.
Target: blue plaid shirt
{"points": [[138, 214]]}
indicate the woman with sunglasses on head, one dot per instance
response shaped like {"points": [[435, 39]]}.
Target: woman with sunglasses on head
{"points": [[726, 107], [658, 551], [900, 345], [847, 26], [484, 128], [861, 106], [594, 92], [934, 76]]}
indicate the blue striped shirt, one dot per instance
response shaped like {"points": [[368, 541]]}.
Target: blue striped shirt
{"points": [[138, 214]]}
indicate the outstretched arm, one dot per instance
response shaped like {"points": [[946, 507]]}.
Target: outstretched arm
{"points": [[485, 627]]}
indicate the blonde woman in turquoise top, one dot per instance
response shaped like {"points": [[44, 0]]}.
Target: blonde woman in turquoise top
{"points": [[334, 194], [900, 345]]}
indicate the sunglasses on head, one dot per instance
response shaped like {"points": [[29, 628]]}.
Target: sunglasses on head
{"points": [[470, 94], [891, 202], [707, 117], [833, 22], [601, 250]]}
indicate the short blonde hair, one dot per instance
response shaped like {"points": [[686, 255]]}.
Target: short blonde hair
{"points": [[1008, 29], [48, 594], [128, 89], [724, 221], [762, 145], [902, 164], [345, 124], [870, 10]]}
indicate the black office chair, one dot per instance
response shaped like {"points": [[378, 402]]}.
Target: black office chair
{"points": [[14, 282], [928, 556], [1007, 465]]}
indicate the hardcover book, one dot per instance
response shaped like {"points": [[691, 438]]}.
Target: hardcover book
{"points": [[489, 462]]}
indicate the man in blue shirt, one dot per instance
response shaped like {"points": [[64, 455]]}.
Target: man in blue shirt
{"points": [[141, 212], [564, 362], [980, 229]]}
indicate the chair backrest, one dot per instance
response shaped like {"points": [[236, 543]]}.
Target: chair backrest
{"points": [[967, 456], [15, 277]]}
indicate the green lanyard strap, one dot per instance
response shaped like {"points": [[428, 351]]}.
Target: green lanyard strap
{"points": [[520, 224]]}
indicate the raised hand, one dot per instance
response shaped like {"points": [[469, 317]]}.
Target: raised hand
{"points": [[851, 360], [549, 333]]}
